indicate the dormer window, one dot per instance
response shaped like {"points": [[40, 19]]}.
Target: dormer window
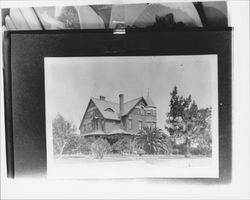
{"points": [[109, 110]]}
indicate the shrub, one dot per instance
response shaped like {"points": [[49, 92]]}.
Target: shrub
{"points": [[84, 146], [195, 151], [100, 147], [139, 151], [178, 149], [201, 150], [205, 150], [123, 145], [176, 152]]}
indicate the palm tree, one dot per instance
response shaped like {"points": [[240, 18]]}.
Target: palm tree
{"points": [[152, 140]]}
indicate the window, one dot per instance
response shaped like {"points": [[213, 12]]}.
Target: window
{"points": [[148, 112], [109, 110], [140, 125], [96, 124], [142, 111], [138, 111], [130, 124], [103, 124]]}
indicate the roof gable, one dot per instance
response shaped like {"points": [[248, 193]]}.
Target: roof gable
{"points": [[104, 107], [128, 107], [89, 104]]}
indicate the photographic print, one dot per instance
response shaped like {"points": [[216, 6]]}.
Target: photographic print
{"points": [[132, 116]]}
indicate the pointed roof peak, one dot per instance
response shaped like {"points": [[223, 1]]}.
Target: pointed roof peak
{"points": [[149, 100]]}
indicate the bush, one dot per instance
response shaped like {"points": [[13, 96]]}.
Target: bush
{"points": [[100, 147], [84, 146], [201, 150], [123, 145], [195, 151], [139, 151], [176, 152], [178, 149], [205, 150]]}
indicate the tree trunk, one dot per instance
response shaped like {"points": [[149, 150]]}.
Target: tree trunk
{"points": [[187, 147], [61, 151]]}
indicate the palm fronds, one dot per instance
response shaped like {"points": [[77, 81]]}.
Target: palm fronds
{"points": [[152, 140]]}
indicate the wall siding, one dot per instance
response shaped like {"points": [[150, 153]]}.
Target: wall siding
{"points": [[111, 125], [136, 117]]}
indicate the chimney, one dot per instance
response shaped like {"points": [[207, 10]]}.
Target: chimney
{"points": [[102, 98], [121, 103]]}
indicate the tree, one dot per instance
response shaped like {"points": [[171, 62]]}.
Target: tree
{"points": [[185, 121], [152, 140], [204, 139], [72, 144], [64, 134], [100, 147], [84, 145]]}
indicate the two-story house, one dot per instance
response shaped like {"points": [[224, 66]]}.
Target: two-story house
{"points": [[107, 116]]}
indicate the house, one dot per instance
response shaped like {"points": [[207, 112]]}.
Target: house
{"points": [[106, 116]]}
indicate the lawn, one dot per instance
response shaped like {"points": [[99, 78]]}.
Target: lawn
{"points": [[131, 166], [171, 160]]}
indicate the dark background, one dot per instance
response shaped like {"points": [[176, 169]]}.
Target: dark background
{"points": [[24, 53]]}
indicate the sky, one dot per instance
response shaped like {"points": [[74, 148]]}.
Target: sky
{"points": [[71, 82]]}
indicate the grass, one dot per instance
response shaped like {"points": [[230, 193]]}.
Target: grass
{"points": [[125, 166], [120, 158]]}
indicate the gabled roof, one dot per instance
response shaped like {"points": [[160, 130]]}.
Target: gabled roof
{"points": [[103, 105], [131, 104]]}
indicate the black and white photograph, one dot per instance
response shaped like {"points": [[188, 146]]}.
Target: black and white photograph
{"points": [[132, 116], [124, 99], [182, 125]]}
